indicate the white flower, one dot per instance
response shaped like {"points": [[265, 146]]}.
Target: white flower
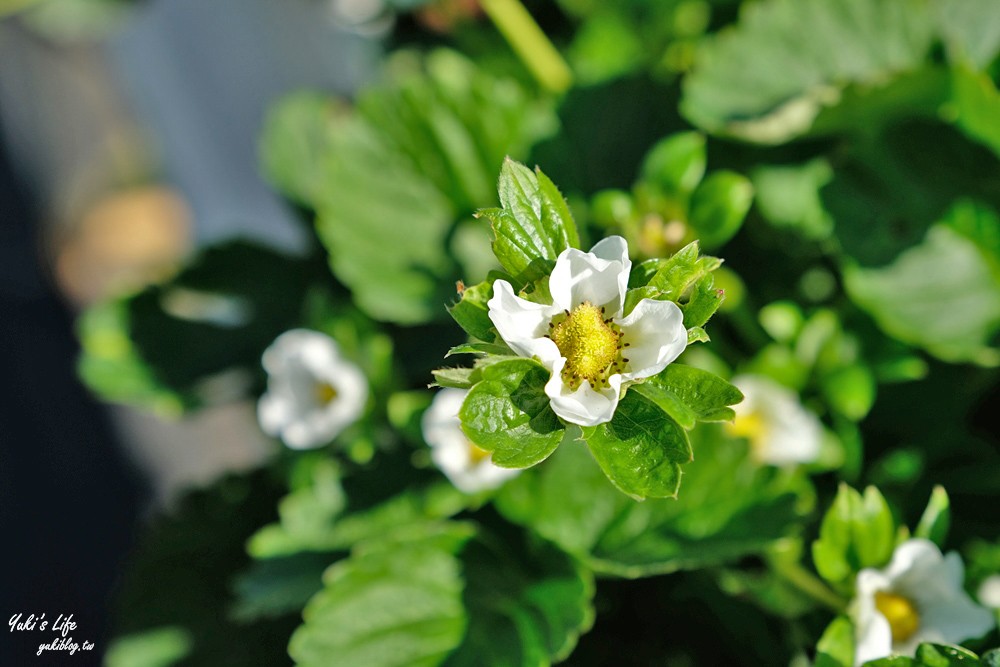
{"points": [[780, 430], [312, 392], [467, 466], [989, 591], [917, 598], [582, 338]]}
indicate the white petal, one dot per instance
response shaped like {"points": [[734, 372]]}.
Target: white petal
{"points": [[599, 276], [989, 591], [793, 434], [450, 449], [522, 324], [874, 635], [297, 363], [656, 336], [585, 406], [955, 618], [874, 639], [913, 555]]}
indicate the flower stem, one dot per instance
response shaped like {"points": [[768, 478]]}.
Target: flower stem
{"points": [[530, 43], [810, 584]]}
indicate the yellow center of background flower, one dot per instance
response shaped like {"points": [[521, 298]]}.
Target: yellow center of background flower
{"points": [[477, 454], [904, 620], [749, 425], [587, 341], [325, 392]]}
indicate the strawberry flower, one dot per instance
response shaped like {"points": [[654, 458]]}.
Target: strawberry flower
{"points": [[313, 393], [591, 347]]}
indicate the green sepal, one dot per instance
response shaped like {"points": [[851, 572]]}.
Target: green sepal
{"points": [[471, 311], [857, 532], [836, 647], [675, 276], [936, 518], [703, 302]]}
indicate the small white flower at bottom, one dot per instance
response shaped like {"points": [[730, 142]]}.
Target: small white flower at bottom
{"points": [[917, 598], [468, 467], [780, 430], [312, 392]]}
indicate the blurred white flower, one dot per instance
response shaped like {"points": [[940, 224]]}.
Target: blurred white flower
{"points": [[467, 466], [989, 591], [312, 392], [917, 598], [582, 338], [780, 430]]}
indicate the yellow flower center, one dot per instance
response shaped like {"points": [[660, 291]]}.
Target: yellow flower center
{"points": [[904, 620], [749, 425], [324, 392], [590, 344], [477, 454]]}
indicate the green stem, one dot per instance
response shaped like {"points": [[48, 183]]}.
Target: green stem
{"points": [[810, 584], [529, 43]]}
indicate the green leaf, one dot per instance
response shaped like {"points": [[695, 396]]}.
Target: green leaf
{"points": [[944, 655], [850, 390], [836, 646], [278, 586], [640, 449], [298, 131], [110, 364], [676, 164], [768, 77], [159, 647], [508, 413], [457, 378], [703, 302], [975, 103], [789, 197], [719, 206], [330, 511], [669, 402], [936, 518], [417, 154], [527, 602], [217, 315], [857, 532], [942, 295], [185, 562], [705, 394], [971, 30], [533, 224], [676, 275], [372, 194], [568, 500], [395, 602], [472, 313], [894, 661]]}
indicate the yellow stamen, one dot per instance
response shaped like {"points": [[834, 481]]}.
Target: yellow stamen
{"points": [[477, 454], [750, 425], [325, 392], [904, 620], [588, 342]]}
